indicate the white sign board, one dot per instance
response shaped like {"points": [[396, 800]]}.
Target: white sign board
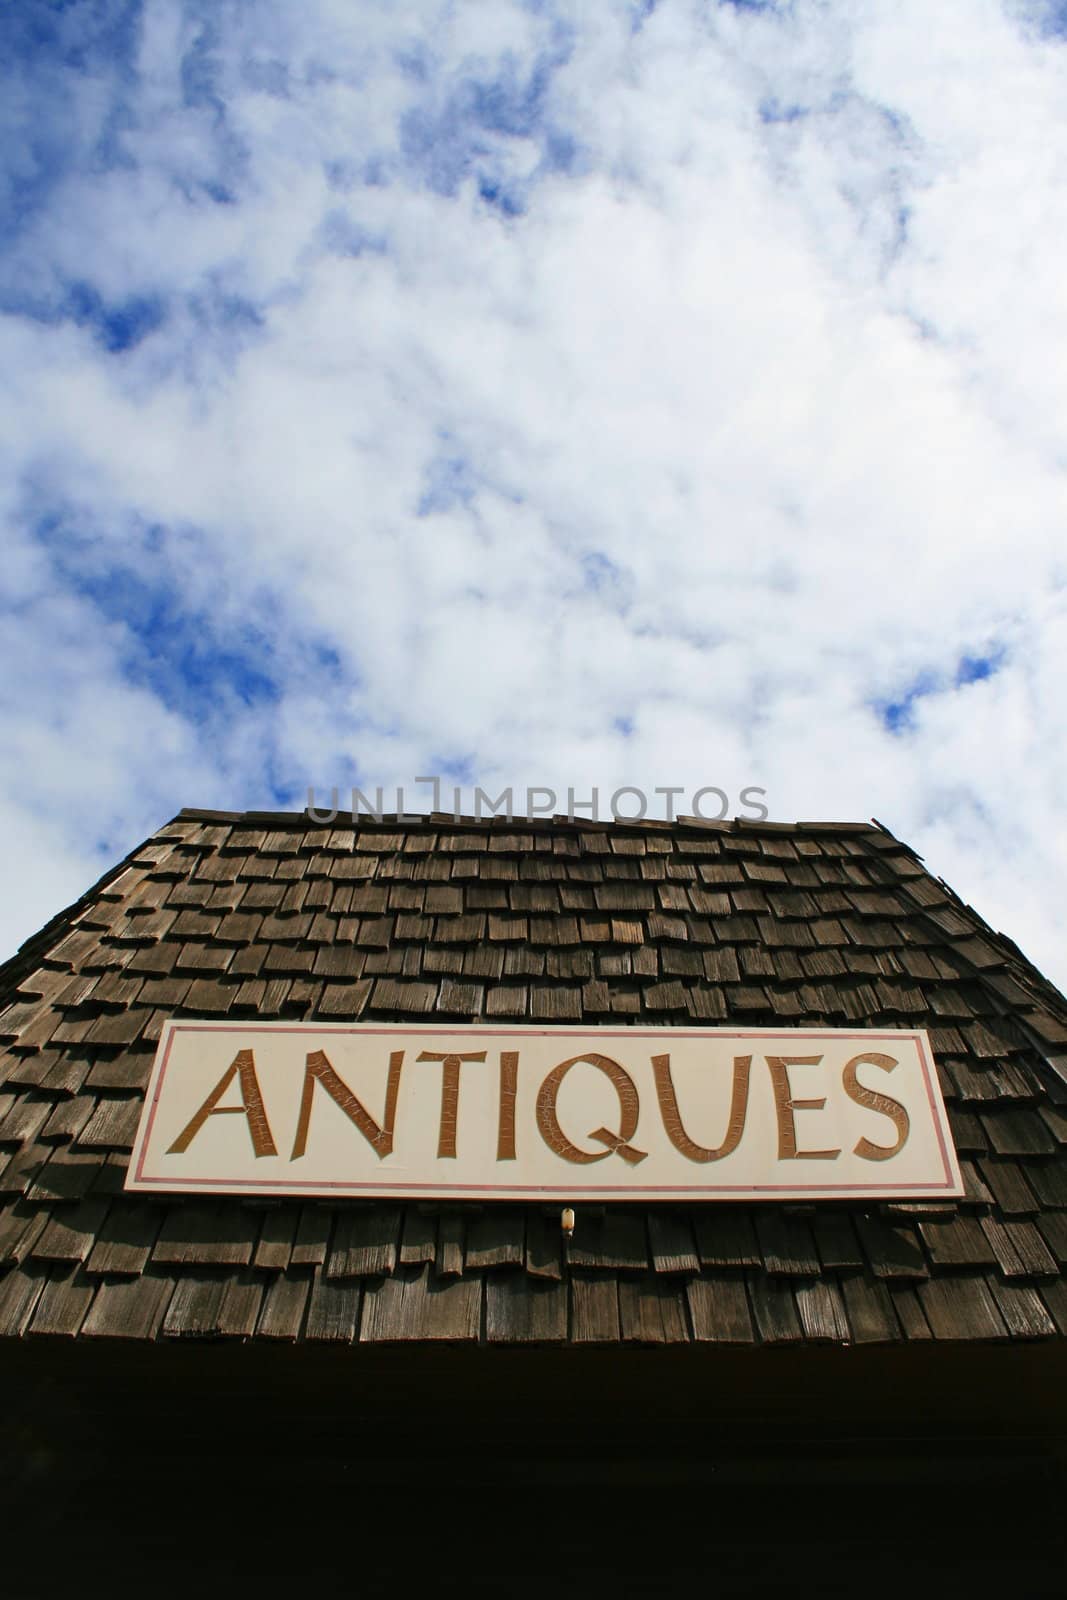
{"points": [[476, 1112]]}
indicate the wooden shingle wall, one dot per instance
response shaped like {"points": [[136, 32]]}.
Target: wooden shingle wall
{"points": [[270, 917]]}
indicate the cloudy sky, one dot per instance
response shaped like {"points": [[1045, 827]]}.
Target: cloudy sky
{"points": [[648, 392]]}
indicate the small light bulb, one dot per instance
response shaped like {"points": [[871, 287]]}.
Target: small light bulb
{"points": [[567, 1221]]}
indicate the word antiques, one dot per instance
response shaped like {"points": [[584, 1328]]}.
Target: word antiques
{"points": [[513, 1113]]}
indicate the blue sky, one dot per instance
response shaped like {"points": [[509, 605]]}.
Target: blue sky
{"points": [[536, 394]]}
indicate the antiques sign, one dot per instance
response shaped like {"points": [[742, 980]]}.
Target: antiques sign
{"points": [[475, 1112]]}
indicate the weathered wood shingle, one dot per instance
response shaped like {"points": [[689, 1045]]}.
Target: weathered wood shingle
{"points": [[277, 916]]}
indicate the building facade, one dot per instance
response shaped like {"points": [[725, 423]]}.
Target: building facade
{"points": [[260, 1390]]}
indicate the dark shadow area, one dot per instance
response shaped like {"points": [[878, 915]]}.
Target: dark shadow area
{"points": [[210, 1469]]}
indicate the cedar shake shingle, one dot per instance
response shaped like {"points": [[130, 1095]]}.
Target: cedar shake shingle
{"points": [[277, 916]]}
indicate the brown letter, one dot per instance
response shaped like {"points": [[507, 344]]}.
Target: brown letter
{"points": [[629, 1110], [876, 1102], [446, 1139], [319, 1070], [243, 1066], [509, 1083], [672, 1120], [785, 1105]]}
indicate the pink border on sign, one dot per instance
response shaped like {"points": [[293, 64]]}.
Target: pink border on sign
{"points": [[385, 1191]]}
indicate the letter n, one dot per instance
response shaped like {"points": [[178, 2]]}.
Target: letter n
{"points": [[319, 1070], [243, 1067]]}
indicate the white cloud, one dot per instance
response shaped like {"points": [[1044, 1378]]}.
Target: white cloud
{"points": [[726, 347]]}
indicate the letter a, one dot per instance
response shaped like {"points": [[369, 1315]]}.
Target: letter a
{"points": [[243, 1066]]}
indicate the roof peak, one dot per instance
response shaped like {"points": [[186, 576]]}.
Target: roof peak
{"points": [[448, 819]]}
